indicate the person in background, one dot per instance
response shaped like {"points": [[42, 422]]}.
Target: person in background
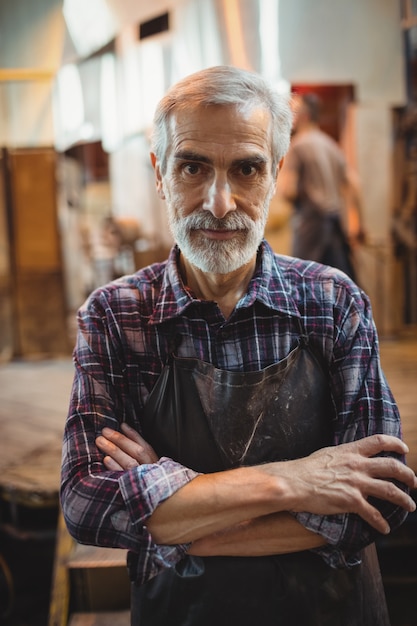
{"points": [[321, 187], [229, 423], [105, 243]]}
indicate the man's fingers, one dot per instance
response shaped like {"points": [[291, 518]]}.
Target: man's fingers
{"points": [[133, 434], [146, 452], [383, 490], [130, 443], [387, 467], [123, 442], [374, 444], [386, 490], [374, 518], [121, 458], [111, 464]]}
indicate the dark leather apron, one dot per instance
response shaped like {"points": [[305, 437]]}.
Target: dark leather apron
{"points": [[212, 420]]}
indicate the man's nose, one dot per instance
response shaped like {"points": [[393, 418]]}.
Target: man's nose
{"points": [[219, 200]]}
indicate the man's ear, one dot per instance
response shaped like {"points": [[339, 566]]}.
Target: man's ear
{"points": [[158, 176], [279, 167]]}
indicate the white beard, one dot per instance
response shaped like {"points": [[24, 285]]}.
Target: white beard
{"points": [[212, 255]]}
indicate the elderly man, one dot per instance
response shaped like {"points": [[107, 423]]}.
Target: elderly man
{"points": [[229, 421]]}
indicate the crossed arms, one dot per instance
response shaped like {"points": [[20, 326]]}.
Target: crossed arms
{"points": [[245, 512]]}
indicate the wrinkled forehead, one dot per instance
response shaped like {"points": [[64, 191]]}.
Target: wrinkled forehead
{"points": [[240, 110], [221, 124]]}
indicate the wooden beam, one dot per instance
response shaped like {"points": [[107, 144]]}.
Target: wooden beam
{"points": [[26, 74]]}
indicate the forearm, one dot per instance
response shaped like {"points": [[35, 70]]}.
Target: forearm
{"points": [[333, 480], [213, 502], [278, 533]]}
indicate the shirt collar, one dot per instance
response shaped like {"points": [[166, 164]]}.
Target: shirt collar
{"points": [[173, 298], [268, 285]]}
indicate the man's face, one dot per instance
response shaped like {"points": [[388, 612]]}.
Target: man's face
{"points": [[218, 184]]}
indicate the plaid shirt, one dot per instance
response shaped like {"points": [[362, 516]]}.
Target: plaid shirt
{"points": [[126, 330]]}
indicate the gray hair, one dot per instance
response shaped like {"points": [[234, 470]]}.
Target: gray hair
{"points": [[223, 85]]}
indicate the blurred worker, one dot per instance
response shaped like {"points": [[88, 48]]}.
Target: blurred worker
{"points": [[316, 179], [105, 245]]}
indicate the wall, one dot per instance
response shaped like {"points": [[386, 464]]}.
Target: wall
{"points": [[336, 41]]}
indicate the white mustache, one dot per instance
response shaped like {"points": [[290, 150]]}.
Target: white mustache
{"points": [[233, 221]]}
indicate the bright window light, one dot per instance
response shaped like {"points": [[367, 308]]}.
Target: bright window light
{"points": [[269, 42], [108, 103], [91, 24], [71, 104]]}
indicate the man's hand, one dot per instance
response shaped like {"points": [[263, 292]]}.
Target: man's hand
{"points": [[340, 479], [124, 450]]}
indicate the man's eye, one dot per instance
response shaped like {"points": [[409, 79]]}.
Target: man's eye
{"points": [[191, 168], [247, 169]]}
